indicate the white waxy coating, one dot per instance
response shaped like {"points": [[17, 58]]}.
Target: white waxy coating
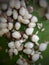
{"points": [[17, 4], [31, 25], [17, 44], [17, 25], [9, 12], [3, 20], [27, 16], [29, 31], [25, 36], [11, 3], [15, 14], [23, 3], [4, 6], [35, 57], [47, 16], [20, 19], [43, 3], [42, 46], [10, 26], [3, 25], [29, 45], [16, 35], [22, 11], [35, 38], [11, 44], [15, 51], [25, 21], [34, 19], [27, 51]]}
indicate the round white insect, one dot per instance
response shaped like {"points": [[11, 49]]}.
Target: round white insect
{"points": [[25, 36], [29, 31], [29, 45], [42, 46], [35, 38], [35, 57], [16, 35], [34, 19], [20, 19], [25, 21], [27, 51], [17, 44], [9, 12], [15, 14], [22, 11], [10, 26], [31, 25], [17, 25], [27, 16], [11, 44]]}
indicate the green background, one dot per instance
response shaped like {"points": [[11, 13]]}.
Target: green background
{"points": [[4, 58]]}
